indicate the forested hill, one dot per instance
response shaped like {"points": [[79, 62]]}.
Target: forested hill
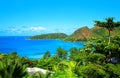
{"points": [[85, 33], [49, 36], [80, 34]]}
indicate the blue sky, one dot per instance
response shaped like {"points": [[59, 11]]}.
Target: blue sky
{"points": [[32, 17]]}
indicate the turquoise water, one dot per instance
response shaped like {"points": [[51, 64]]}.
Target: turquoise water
{"points": [[33, 49]]}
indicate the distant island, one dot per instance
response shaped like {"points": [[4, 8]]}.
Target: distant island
{"points": [[81, 34], [49, 36]]}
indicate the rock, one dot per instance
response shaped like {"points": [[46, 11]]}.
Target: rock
{"points": [[34, 70]]}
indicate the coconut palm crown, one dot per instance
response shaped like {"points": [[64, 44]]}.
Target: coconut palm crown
{"points": [[109, 24]]}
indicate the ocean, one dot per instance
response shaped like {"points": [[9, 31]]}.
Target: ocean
{"points": [[33, 49]]}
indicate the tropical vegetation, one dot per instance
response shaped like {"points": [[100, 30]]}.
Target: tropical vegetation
{"points": [[100, 58]]}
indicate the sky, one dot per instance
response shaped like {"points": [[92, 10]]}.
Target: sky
{"points": [[33, 17]]}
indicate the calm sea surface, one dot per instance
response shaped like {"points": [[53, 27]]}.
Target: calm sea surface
{"points": [[33, 49]]}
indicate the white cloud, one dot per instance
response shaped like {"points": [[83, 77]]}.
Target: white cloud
{"points": [[38, 28], [27, 29]]}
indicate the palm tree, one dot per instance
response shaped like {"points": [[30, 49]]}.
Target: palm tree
{"points": [[61, 54], [46, 55], [109, 24], [11, 69]]}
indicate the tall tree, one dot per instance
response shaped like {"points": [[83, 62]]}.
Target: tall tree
{"points": [[61, 53], [46, 55], [109, 24]]}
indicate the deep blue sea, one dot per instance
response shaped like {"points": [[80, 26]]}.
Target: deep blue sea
{"points": [[33, 49]]}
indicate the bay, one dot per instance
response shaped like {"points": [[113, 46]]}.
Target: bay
{"points": [[33, 49]]}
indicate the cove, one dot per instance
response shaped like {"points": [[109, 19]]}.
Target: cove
{"points": [[33, 49]]}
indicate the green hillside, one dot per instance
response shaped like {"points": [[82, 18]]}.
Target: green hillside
{"points": [[81, 34], [49, 36], [85, 33]]}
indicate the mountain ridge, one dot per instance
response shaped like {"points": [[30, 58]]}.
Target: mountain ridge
{"points": [[81, 34], [87, 33]]}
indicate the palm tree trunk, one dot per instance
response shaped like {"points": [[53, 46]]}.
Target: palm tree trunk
{"points": [[109, 43], [109, 36]]}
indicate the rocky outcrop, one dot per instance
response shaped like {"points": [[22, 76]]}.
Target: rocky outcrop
{"points": [[34, 70]]}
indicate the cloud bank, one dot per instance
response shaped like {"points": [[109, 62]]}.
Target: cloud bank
{"points": [[22, 30], [27, 29]]}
